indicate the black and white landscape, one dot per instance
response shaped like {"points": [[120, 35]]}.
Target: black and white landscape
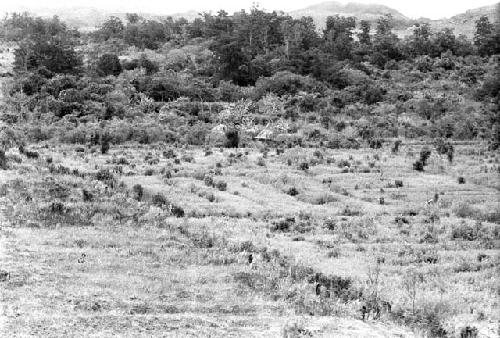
{"points": [[330, 171]]}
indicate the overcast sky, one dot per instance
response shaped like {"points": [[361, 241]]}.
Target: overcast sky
{"points": [[433, 9]]}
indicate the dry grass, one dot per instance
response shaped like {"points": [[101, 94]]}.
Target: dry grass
{"points": [[146, 272]]}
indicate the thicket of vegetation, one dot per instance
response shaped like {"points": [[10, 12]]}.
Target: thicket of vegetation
{"points": [[173, 80]]}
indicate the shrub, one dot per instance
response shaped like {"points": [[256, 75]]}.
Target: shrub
{"points": [[285, 83], [284, 225], [138, 192], [464, 232], [375, 143], [169, 154], [418, 166], [398, 183], [87, 196], [208, 180], [304, 166], [461, 180], [292, 191], [105, 143], [104, 175], [177, 211], [31, 154], [3, 160], [395, 147], [221, 185], [159, 200], [425, 153], [233, 139]]}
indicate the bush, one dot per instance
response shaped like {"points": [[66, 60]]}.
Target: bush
{"points": [[3, 160], [464, 232], [159, 200], [108, 64], [104, 175], [177, 211], [105, 143], [461, 180], [233, 139], [286, 83], [419, 165], [221, 185], [138, 192], [304, 166], [375, 143], [425, 153], [395, 147]]}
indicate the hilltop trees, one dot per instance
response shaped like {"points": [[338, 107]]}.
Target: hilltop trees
{"points": [[42, 43], [338, 36], [385, 43], [486, 38]]}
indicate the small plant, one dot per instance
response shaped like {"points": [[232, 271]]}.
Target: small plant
{"points": [[398, 183], [461, 180], [292, 191], [149, 172]]}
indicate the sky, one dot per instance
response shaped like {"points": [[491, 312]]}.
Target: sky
{"points": [[433, 9]]}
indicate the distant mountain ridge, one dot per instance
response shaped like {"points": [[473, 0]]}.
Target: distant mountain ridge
{"points": [[465, 23], [369, 12], [88, 18]]}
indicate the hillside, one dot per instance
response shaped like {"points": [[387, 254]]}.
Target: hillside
{"points": [[89, 18], [361, 11], [465, 23]]}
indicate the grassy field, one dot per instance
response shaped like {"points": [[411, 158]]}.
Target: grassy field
{"points": [[150, 240]]}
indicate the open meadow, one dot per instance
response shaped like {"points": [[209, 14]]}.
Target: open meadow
{"points": [[152, 240]]}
